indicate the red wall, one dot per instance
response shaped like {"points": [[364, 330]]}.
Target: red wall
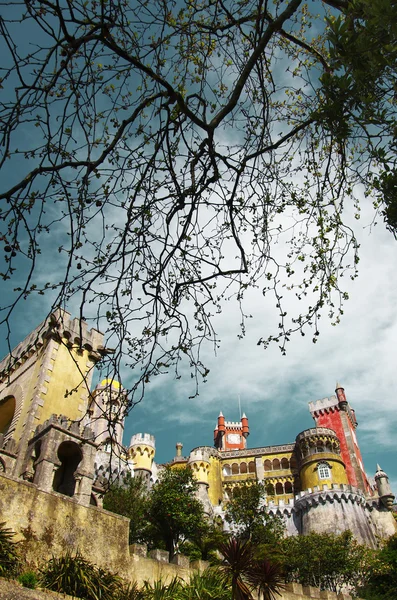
{"points": [[333, 420]]}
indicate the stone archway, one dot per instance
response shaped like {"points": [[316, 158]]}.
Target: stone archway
{"points": [[70, 456], [7, 413]]}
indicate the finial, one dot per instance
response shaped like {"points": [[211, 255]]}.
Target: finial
{"points": [[221, 414]]}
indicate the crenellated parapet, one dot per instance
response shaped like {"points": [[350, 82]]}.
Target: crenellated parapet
{"points": [[60, 326], [141, 451], [61, 422], [329, 494], [199, 462], [317, 440]]}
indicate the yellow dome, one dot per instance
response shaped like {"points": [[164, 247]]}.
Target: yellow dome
{"points": [[112, 382]]}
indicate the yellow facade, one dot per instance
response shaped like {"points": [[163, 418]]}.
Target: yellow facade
{"points": [[309, 473]]}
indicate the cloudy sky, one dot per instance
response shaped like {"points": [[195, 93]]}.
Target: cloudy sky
{"points": [[274, 390]]}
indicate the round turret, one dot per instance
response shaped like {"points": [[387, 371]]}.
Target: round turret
{"points": [[340, 394], [142, 450], [384, 490], [244, 423], [107, 413], [199, 462], [319, 460]]}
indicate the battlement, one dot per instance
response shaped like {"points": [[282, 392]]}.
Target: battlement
{"points": [[316, 432], [59, 324], [202, 454], [62, 422], [326, 493], [204, 451], [143, 438], [324, 404], [233, 425]]}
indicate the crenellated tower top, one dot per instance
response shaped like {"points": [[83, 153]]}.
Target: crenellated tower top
{"points": [[231, 435]]}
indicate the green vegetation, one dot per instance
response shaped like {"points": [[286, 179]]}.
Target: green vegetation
{"points": [[325, 561], [130, 499], [10, 562], [246, 511], [77, 576], [28, 579], [381, 580]]}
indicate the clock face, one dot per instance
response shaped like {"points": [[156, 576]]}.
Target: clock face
{"points": [[233, 438]]}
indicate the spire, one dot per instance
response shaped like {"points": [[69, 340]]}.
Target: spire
{"points": [[340, 394]]}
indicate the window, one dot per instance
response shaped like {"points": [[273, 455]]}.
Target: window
{"points": [[284, 463], [243, 467], [235, 469], [268, 465], [276, 464], [251, 467], [324, 471], [227, 470]]}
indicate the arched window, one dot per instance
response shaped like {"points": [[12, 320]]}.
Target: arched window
{"points": [[243, 467], [284, 463], [7, 411], [288, 487], [279, 489], [320, 449], [251, 467], [70, 456], [235, 469], [227, 470], [324, 470], [107, 445], [276, 464], [293, 464], [268, 465]]}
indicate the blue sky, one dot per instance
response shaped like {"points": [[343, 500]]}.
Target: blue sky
{"points": [[274, 390]]}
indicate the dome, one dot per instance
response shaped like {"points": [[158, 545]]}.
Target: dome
{"points": [[112, 382]]}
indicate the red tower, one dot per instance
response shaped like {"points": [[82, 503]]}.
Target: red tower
{"points": [[231, 435], [336, 413]]}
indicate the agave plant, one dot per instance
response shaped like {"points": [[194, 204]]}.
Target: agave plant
{"points": [[76, 576], [163, 591], [10, 562], [266, 578], [209, 585], [129, 591]]}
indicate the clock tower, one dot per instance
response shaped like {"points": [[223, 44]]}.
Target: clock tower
{"points": [[231, 435]]}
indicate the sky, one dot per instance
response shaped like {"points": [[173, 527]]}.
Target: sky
{"points": [[272, 389], [275, 390]]}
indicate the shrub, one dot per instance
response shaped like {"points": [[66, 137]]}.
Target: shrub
{"points": [[28, 580], [76, 576], [10, 562]]}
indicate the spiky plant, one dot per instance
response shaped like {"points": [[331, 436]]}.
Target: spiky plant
{"points": [[10, 562], [76, 576], [209, 585], [266, 578], [130, 591], [163, 591], [238, 559]]}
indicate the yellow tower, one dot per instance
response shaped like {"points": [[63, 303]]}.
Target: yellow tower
{"points": [[50, 372], [319, 458], [142, 450], [107, 411]]}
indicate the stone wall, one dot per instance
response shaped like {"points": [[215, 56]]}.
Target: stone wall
{"points": [[11, 590], [48, 524]]}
